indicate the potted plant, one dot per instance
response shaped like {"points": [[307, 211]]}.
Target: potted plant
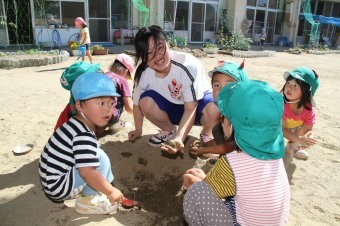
{"points": [[99, 50], [210, 48], [75, 48]]}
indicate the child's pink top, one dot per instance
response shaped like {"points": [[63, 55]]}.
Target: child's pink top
{"points": [[306, 117]]}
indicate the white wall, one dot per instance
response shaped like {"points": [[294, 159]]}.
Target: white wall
{"points": [[44, 35]]}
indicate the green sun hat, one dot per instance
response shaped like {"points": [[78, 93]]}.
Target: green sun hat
{"points": [[306, 75], [255, 111], [74, 71], [234, 70]]}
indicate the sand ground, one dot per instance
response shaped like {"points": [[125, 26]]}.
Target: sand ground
{"points": [[32, 98]]}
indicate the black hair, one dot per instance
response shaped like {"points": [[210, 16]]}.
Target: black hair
{"points": [[117, 66], [141, 43], [305, 92], [84, 25]]}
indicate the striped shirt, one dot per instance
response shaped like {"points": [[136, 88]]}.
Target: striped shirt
{"points": [[71, 146], [262, 190]]}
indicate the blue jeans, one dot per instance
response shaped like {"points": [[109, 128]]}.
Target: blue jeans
{"points": [[104, 169]]}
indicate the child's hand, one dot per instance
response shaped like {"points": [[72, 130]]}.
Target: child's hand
{"points": [[197, 173], [115, 196], [134, 134], [173, 146], [196, 150], [307, 140]]}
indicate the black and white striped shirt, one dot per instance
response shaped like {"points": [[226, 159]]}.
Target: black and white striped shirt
{"points": [[71, 146]]}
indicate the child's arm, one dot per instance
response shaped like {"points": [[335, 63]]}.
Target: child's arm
{"points": [[138, 118], [216, 149], [128, 104], [298, 137], [95, 180]]}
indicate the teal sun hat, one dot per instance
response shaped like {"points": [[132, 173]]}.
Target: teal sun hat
{"points": [[306, 75], [91, 85], [255, 111], [234, 70], [74, 71]]}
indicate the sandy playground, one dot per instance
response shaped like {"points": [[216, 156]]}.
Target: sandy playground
{"points": [[32, 98]]}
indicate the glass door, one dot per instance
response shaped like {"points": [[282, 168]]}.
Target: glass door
{"points": [[99, 20], [197, 22], [3, 25]]}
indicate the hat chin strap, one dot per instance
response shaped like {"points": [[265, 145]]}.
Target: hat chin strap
{"points": [[82, 114]]}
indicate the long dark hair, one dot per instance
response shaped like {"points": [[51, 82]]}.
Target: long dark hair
{"points": [[141, 44], [305, 91]]}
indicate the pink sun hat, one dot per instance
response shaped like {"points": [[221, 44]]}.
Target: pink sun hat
{"points": [[127, 61], [79, 21]]}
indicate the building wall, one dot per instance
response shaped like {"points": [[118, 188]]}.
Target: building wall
{"points": [[236, 11]]}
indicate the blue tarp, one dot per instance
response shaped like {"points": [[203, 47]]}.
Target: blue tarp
{"points": [[324, 20]]}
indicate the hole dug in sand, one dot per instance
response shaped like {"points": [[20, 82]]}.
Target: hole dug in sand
{"points": [[146, 175]]}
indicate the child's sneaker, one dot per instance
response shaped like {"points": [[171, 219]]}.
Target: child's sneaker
{"points": [[295, 151], [301, 154], [96, 204], [161, 137], [120, 125]]}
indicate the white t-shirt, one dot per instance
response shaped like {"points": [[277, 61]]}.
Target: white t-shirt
{"points": [[186, 81], [84, 31]]}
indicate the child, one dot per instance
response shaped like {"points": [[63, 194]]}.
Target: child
{"points": [[222, 75], [66, 80], [85, 39], [120, 71], [170, 89], [253, 174], [263, 37], [299, 113], [72, 162]]}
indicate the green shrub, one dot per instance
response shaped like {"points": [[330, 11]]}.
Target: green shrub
{"points": [[176, 41], [209, 45], [234, 42]]}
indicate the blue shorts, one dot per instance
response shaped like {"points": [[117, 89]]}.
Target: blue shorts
{"points": [[175, 111], [87, 46]]}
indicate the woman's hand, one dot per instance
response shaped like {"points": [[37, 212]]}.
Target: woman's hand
{"points": [[173, 146], [134, 134], [115, 196]]}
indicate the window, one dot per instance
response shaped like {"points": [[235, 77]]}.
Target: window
{"points": [[98, 9], [210, 17], [223, 20], [181, 22], [70, 11], [261, 3], [272, 4], [280, 4], [169, 10], [319, 9], [327, 9], [121, 14], [48, 12], [336, 10], [251, 2], [279, 23]]}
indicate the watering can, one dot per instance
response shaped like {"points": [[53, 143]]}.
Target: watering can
{"points": [[82, 50]]}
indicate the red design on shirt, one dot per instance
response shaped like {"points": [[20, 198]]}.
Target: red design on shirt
{"points": [[175, 89]]}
